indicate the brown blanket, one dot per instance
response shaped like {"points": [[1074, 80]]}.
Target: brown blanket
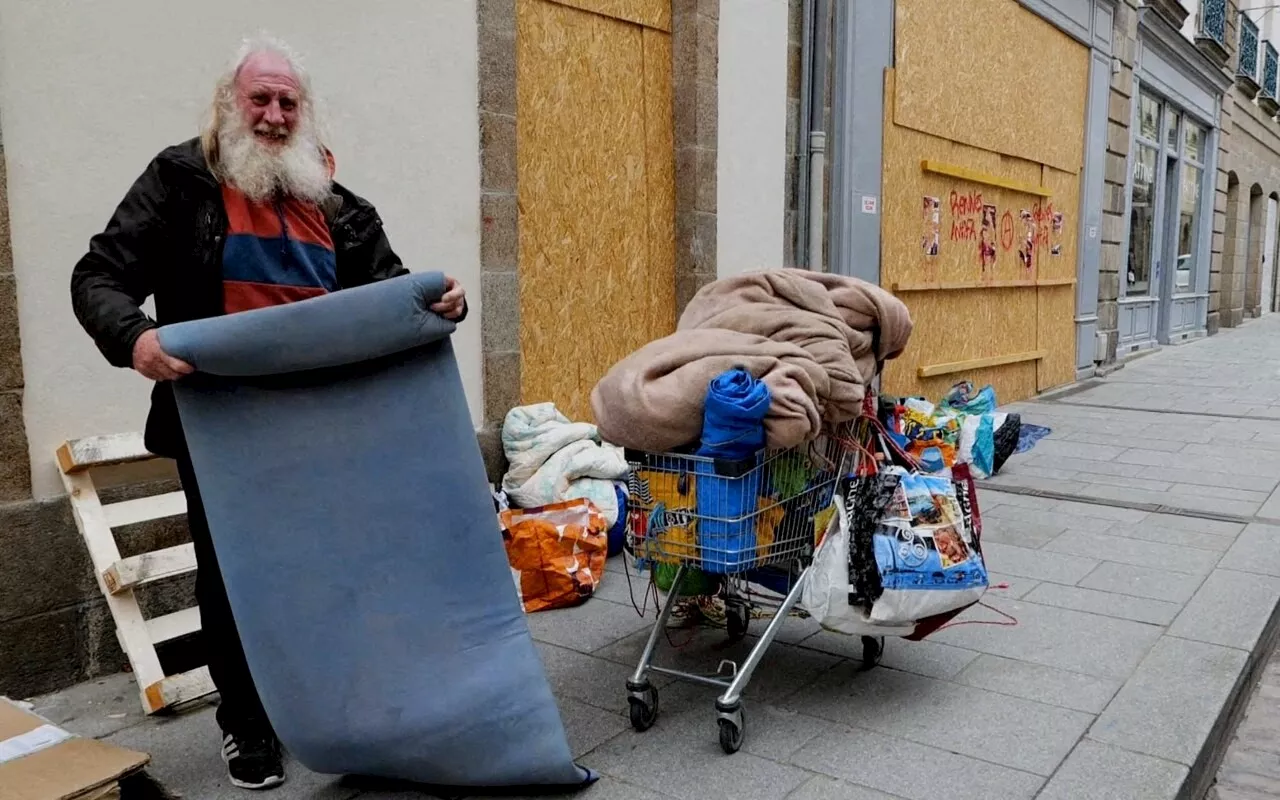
{"points": [[830, 316], [814, 338], [653, 398]]}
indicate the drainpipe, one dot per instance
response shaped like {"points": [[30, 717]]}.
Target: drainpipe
{"points": [[800, 234], [811, 177], [818, 138], [817, 167]]}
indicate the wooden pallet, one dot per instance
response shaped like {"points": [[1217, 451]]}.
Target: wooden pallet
{"points": [[118, 577]]}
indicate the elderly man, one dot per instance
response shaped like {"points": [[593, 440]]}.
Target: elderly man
{"points": [[246, 216]]}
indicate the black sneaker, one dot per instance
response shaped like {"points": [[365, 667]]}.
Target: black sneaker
{"points": [[253, 761]]}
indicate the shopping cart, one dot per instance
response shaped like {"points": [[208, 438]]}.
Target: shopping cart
{"points": [[737, 522]]}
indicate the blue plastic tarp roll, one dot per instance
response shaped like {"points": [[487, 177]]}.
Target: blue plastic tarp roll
{"points": [[733, 417], [349, 508], [732, 430]]}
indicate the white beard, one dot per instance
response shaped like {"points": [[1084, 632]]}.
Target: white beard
{"points": [[298, 169]]}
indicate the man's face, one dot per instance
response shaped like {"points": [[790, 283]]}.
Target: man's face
{"points": [[268, 96]]}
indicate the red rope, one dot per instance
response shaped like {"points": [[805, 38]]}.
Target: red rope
{"points": [[1012, 621]]}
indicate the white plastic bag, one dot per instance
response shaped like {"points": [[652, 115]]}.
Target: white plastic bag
{"points": [[826, 591]]}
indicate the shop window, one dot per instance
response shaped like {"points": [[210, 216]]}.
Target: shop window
{"points": [[1149, 118], [1195, 143], [1141, 221], [1190, 192], [1188, 225]]}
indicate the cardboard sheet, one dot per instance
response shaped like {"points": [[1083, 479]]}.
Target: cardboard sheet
{"points": [[39, 761]]}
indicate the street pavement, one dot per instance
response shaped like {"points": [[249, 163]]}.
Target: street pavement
{"points": [[1136, 571]]}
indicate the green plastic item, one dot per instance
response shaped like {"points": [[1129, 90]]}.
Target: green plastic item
{"points": [[791, 474], [696, 583]]}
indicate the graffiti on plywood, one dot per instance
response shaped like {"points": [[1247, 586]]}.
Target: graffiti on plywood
{"points": [[975, 222]]}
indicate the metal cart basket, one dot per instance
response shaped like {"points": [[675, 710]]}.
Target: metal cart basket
{"points": [[734, 521]]}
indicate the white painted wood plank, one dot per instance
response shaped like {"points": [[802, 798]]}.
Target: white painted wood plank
{"points": [[177, 689], [144, 568], [145, 509], [175, 625], [131, 627], [78, 455]]}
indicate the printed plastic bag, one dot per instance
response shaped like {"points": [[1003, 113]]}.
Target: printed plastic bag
{"points": [[926, 555], [964, 399], [978, 444], [557, 553]]}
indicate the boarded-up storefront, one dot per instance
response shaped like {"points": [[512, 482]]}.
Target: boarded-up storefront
{"points": [[596, 166], [983, 150]]}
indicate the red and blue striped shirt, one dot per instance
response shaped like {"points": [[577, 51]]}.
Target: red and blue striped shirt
{"points": [[276, 252]]}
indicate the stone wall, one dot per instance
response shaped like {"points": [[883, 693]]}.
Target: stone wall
{"points": [[1113, 259], [54, 625], [1254, 167], [15, 466], [695, 42]]}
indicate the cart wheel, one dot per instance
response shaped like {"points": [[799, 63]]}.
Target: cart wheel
{"points": [[872, 650], [644, 707], [732, 727], [737, 617]]}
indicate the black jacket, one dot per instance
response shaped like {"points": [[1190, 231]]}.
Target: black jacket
{"points": [[165, 241]]}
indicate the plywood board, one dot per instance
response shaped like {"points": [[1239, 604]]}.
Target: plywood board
{"points": [[649, 13], [974, 289], [593, 148], [660, 184], [987, 324], [1064, 199], [991, 74], [969, 216], [1056, 325]]}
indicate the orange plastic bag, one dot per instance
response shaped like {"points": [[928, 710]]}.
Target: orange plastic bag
{"points": [[557, 553]]}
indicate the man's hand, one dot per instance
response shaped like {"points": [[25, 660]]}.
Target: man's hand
{"points": [[152, 362], [450, 306]]}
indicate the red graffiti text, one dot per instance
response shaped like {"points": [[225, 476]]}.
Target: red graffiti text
{"points": [[967, 204], [964, 230]]}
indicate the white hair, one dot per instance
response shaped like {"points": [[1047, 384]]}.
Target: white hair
{"points": [[233, 155]]}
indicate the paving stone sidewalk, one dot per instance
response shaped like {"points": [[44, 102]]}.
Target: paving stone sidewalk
{"points": [[1134, 627]]}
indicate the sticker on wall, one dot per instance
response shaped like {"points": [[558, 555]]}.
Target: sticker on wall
{"points": [[1027, 250], [868, 204], [987, 240], [1055, 246], [929, 242]]}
